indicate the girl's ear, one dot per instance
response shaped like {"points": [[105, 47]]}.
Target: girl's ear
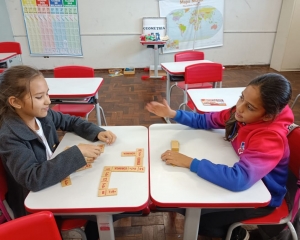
{"points": [[268, 117], [14, 102]]}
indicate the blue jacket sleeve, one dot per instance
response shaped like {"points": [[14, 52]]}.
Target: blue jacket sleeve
{"points": [[233, 178], [191, 119]]}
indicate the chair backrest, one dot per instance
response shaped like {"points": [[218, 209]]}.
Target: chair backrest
{"points": [[3, 190], [3, 184], [203, 72], [188, 56], [294, 144], [35, 226], [10, 47], [73, 72]]}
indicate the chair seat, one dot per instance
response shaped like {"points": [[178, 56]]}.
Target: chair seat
{"points": [[279, 213], [194, 86], [80, 110]]}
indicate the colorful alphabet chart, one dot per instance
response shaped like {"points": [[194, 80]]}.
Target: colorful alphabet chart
{"points": [[52, 27]]}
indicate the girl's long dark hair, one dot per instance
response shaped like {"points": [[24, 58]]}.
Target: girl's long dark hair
{"points": [[15, 81], [275, 92]]}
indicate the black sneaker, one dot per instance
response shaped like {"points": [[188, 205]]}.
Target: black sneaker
{"points": [[240, 233]]}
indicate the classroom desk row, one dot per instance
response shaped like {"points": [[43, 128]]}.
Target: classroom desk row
{"points": [[165, 185]]}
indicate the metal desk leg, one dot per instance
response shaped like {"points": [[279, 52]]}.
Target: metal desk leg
{"points": [[191, 223], [168, 95], [155, 60], [97, 106], [105, 226]]}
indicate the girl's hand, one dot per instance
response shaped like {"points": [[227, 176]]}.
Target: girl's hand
{"points": [[89, 150], [176, 158], [107, 137], [161, 109]]}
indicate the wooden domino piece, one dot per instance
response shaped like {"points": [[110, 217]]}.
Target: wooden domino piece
{"points": [[89, 159], [128, 154], [88, 165], [111, 191], [119, 169], [101, 192], [106, 174], [175, 145], [103, 185], [138, 161], [66, 182], [102, 146], [140, 152]]}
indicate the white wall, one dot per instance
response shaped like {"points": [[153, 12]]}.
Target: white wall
{"points": [[6, 34], [110, 33]]}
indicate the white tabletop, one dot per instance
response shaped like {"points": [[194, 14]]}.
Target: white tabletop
{"points": [[6, 56], [81, 196], [178, 68], [73, 87], [179, 187], [229, 95]]}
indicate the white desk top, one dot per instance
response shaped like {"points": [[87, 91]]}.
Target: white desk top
{"points": [[179, 187], [81, 196], [6, 56], [178, 68], [229, 95], [73, 87]]}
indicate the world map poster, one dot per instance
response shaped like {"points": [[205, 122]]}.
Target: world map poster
{"points": [[52, 27], [192, 24]]}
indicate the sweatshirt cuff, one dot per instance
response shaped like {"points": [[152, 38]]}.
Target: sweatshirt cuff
{"points": [[194, 165], [178, 115]]}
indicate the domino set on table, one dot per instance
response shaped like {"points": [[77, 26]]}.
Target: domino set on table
{"points": [[103, 189]]}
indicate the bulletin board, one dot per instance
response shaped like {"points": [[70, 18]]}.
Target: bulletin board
{"points": [[52, 27]]}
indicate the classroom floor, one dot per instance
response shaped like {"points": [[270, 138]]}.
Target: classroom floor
{"points": [[123, 99]]}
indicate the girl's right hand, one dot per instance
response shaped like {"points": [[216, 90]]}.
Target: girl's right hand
{"points": [[161, 109], [89, 150]]}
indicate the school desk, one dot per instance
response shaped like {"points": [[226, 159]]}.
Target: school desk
{"points": [[81, 198], [156, 58], [75, 90], [7, 58], [176, 68], [172, 186], [229, 96]]}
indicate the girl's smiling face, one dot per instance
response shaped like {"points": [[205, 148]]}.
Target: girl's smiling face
{"points": [[249, 108], [36, 102]]}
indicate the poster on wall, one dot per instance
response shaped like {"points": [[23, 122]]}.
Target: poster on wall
{"points": [[193, 24], [52, 27], [154, 26]]}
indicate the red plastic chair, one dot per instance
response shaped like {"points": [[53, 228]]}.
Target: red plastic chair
{"points": [[80, 110], [196, 76], [282, 214], [11, 47], [66, 226], [5, 209], [35, 226], [181, 57]]}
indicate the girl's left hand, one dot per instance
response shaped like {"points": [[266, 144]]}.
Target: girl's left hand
{"points": [[176, 158], [107, 137]]}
